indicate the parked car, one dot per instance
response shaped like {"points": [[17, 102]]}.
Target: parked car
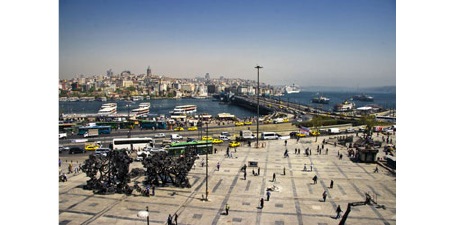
{"points": [[239, 124], [76, 150], [178, 129]]}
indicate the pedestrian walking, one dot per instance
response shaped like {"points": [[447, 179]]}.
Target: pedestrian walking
{"points": [[304, 167], [261, 203], [324, 196], [284, 170], [296, 151], [245, 175], [315, 179], [175, 218], [258, 171], [311, 167], [338, 211], [70, 168], [340, 157], [331, 184], [169, 220], [376, 169], [227, 208], [285, 142], [153, 190], [268, 195], [274, 177], [60, 162], [218, 166], [326, 151]]}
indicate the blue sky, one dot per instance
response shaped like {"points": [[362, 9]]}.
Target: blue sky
{"points": [[325, 43]]}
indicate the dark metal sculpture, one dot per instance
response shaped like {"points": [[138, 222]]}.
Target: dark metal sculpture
{"points": [[109, 174], [163, 169]]}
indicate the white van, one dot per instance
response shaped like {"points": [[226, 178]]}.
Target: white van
{"points": [[176, 137], [269, 136]]}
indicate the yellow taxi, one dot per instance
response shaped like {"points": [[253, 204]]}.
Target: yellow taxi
{"points": [[217, 141], [91, 147], [285, 120], [178, 129], [239, 124], [300, 135], [314, 133], [192, 128], [207, 138], [248, 123], [234, 144]]}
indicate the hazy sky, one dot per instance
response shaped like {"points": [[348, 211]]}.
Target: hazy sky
{"points": [[307, 42]]}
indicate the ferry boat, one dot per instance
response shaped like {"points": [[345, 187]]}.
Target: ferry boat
{"points": [[292, 89], [320, 100], [142, 109], [363, 98], [184, 109], [107, 109], [344, 106], [137, 98]]}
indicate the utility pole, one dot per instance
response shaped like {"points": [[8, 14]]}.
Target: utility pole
{"points": [[257, 107]]}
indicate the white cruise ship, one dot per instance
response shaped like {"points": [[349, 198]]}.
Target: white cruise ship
{"points": [[142, 109], [107, 109], [292, 89], [184, 109]]}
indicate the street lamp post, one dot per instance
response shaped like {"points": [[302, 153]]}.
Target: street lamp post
{"points": [[207, 150], [144, 214], [257, 107], [129, 126]]}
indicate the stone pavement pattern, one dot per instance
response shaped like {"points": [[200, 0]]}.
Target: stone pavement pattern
{"points": [[297, 200]]}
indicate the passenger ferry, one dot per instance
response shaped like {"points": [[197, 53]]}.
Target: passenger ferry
{"points": [[107, 109], [143, 108], [291, 89], [320, 100], [184, 109]]}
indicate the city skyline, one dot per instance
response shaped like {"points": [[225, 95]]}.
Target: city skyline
{"points": [[324, 43]]}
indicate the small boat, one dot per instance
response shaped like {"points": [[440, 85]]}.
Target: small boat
{"points": [[107, 109], [321, 100], [363, 98]]}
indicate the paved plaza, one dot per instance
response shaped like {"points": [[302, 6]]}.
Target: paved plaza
{"points": [[295, 200]]}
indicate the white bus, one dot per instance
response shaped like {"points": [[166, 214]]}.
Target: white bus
{"points": [[269, 135], [132, 143]]}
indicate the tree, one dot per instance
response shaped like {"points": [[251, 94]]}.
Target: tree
{"points": [[317, 122], [369, 121]]}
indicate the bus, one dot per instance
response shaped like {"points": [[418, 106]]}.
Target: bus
{"points": [[66, 127], [101, 129], [269, 135], [131, 144], [199, 147]]}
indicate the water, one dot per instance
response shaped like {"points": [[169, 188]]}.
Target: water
{"points": [[163, 106], [385, 100]]}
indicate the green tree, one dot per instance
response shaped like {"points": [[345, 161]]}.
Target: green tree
{"points": [[369, 121], [317, 122]]}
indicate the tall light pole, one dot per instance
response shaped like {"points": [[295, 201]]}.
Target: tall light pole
{"points": [[207, 150], [257, 107]]}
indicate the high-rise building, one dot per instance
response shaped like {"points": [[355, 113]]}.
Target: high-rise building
{"points": [[149, 71], [207, 76]]}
